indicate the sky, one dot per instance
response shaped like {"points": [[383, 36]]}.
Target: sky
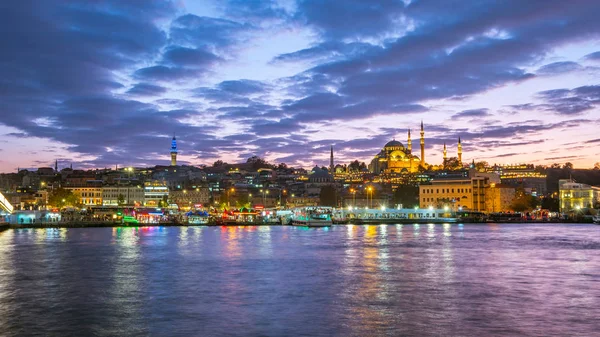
{"points": [[99, 83]]}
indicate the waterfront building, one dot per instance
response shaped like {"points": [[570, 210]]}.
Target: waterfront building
{"points": [[574, 196], [499, 197], [192, 198], [522, 175], [89, 195], [154, 192], [464, 190], [128, 195]]}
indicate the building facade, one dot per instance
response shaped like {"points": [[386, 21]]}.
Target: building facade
{"points": [[129, 195], [574, 196]]}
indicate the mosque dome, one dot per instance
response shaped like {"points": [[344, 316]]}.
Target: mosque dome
{"points": [[394, 143]]}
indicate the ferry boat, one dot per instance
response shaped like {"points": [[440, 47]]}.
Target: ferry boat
{"points": [[395, 216], [312, 216], [198, 218]]}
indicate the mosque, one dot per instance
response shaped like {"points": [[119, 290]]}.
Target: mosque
{"points": [[395, 158]]}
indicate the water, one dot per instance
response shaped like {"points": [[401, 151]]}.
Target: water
{"points": [[426, 280]]}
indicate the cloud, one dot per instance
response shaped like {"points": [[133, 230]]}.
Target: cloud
{"points": [[557, 68], [146, 89], [197, 31], [190, 57], [477, 113], [341, 19], [593, 56]]}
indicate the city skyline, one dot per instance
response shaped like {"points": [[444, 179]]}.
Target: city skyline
{"points": [[108, 83]]}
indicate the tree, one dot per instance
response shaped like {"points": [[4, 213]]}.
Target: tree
{"points": [[256, 162], [62, 197], [121, 200], [219, 163], [452, 164], [282, 166], [568, 166], [354, 166], [406, 195], [555, 166], [363, 166], [523, 202], [328, 196], [164, 202], [482, 166], [551, 204], [243, 201], [597, 166]]}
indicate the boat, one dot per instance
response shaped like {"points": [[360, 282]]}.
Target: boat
{"points": [[198, 218], [312, 216], [596, 219]]}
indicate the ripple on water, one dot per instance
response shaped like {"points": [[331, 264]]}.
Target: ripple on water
{"points": [[427, 280]]}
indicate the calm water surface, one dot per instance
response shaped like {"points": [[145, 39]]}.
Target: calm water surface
{"points": [[425, 280]]}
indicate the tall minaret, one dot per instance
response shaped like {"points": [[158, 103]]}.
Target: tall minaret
{"points": [[56, 166], [422, 145], [409, 142], [459, 151], [445, 152], [331, 168], [174, 152]]}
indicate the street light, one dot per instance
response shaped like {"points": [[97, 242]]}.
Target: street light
{"points": [[493, 186], [369, 191], [228, 196], [353, 191]]}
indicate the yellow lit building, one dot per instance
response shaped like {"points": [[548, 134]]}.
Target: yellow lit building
{"points": [[499, 198], [88, 196], [456, 193], [574, 196], [394, 158]]}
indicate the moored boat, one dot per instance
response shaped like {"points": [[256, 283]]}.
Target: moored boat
{"points": [[311, 217], [596, 219]]}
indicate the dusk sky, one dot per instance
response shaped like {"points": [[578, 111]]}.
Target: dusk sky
{"points": [[101, 83]]}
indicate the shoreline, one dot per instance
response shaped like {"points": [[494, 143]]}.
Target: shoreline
{"points": [[4, 227]]}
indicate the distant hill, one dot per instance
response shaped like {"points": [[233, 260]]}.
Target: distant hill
{"points": [[590, 177]]}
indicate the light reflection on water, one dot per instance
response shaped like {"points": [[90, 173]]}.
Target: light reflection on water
{"points": [[354, 280]]}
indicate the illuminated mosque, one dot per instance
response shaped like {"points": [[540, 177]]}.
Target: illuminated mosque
{"points": [[395, 158]]}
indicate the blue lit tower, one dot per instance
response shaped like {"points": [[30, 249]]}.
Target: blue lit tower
{"points": [[174, 152]]}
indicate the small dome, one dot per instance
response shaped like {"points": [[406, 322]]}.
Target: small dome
{"points": [[394, 143]]}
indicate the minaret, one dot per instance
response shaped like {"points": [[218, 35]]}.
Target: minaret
{"points": [[331, 168], [422, 145], [409, 142], [56, 166], [445, 152], [174, 152], [459, 151]]}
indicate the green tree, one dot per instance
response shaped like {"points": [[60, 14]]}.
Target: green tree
{"points": [[164, 202], [452, 164], [120, 200], [523, 202], [328, 196], [407, 195], [354, 166], [243, 201], [482, 166], [62, 197]]}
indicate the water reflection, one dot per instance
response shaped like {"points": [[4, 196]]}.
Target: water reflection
{"points": [[471, 280]]}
